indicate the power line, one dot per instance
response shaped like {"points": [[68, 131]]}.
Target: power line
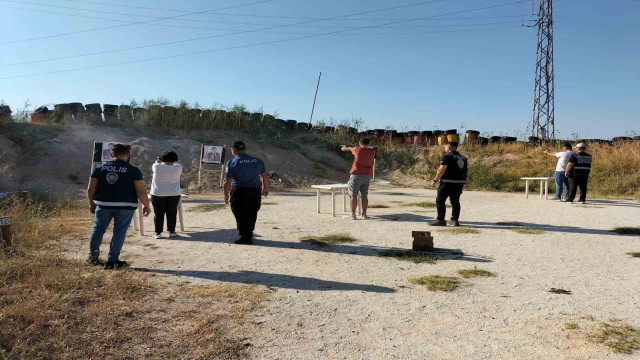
{"points": [[129, 24], [255, 44], [249, 31], [257, 16], [267, 28], [227, 29], [279, 33], [227, 22]]}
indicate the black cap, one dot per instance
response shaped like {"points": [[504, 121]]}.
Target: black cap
{"points": [[238, 145]]}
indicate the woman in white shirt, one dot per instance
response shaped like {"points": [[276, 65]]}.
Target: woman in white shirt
{"points": [[165, 193], [561, 166]]}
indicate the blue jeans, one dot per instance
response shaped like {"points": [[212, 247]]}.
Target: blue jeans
{"points": [[121, 221], [560, 181]]}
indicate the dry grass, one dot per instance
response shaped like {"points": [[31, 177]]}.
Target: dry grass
{"points": [[627, 230], [509, 223], [378, 206], [472, 273], [417, 257], [207, 207], [499, 167], [332, 239], [570, 326], [620, 338], [528, 231], [423, 204], [438, 283], [459, 230], [57, 308], [634, 254]]}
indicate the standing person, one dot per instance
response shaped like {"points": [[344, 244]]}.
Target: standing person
{"points": [[578, 170], [165, 193], [113, 193], [245, 181], [361, 172], [452, 175], [561, 167]]}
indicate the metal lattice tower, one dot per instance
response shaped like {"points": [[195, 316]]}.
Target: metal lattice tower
{"points": [[543, 107]]}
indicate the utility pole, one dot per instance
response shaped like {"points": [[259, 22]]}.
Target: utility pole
{"points": [[314, 100], [543, 104]]}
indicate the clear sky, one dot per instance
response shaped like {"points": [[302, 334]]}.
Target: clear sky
{"points": [[473, 68]]}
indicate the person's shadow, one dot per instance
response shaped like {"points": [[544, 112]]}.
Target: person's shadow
{"points": [[544, 227], [274, 280], [229, 235]]}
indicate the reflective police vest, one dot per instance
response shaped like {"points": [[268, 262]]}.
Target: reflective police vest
{"points": [[582, 165]]}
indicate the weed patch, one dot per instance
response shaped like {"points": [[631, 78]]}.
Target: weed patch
{"points": [[379, 206], [459, 230], [270, 203], [634, 254], [560, 291], [438, 283], [409, 255], [570, 326], [472, 273], [528, 231], [332, 239], [206, 207], [627, 230], [397, 194], [423, 204], [620, 338], [509, 223]]}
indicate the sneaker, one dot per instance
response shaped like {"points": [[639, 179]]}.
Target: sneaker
{"points": [[172, 234], [455, 223], [365, 216], [95, 261], [243, 241], [438, 223], [350, 217], [158, 236], [116, 265]]}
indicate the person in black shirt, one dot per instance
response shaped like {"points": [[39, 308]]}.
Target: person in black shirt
{"points": [[578, 170], [114, 190], [452, 175]]}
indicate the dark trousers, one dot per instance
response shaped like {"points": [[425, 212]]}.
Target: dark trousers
{"points": [[245, 204], [453, 192], [165, 205], [578, 182]]}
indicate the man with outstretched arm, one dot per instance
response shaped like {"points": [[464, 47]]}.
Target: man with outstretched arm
{"points": [[561, 167], [245, 182], [452, 175], [361, 173], [113, 193]]}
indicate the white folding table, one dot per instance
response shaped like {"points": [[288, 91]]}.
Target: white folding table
{"points": [[333, 188], [544, 186], [138, 224]]}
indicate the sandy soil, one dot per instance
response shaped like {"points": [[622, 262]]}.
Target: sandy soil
{"points": [[344, 302]]}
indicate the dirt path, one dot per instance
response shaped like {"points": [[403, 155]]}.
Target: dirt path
{"points": [[344, 302]]}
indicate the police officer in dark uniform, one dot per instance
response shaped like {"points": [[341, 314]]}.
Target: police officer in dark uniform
{"points": [[452, 175], [578, 170], [246, 180]]}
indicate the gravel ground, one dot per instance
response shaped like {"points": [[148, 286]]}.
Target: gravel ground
{"points": [[345, 302]]}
